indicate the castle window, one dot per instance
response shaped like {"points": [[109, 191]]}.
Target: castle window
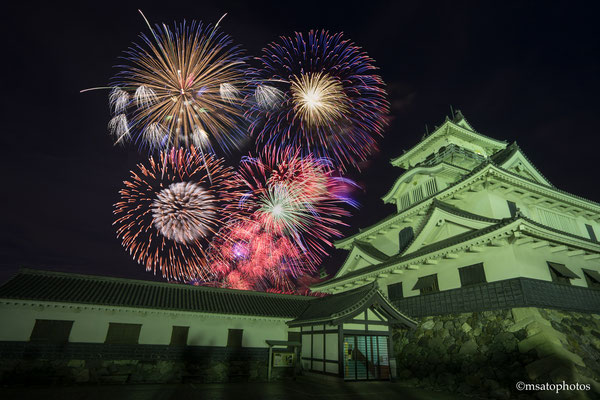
{"points": [[427, 284], [395, 291], [179, 335], [405, 236], [561, 274], [234, 338], [512, 208], [590, 230], [472, 275], [123, 333], [592, 278], [51, 331]]}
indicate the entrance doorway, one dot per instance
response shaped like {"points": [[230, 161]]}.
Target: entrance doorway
{"points": [[366, 358]]}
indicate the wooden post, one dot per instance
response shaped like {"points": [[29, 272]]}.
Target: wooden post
{"points": [[270, 361]]}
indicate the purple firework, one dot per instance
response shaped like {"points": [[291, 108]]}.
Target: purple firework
{"points": [[318, 93]]}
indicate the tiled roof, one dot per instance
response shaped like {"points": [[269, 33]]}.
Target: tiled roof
{"points": [[503, 155], [369, 249], [331, 309], [31, 284], [463, 237]]}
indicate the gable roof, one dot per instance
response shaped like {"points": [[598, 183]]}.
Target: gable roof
{"points": [[459, 127], [487, 167], [504, 226], [342, 306], [439, 209], [30, 284], [512, 155]]}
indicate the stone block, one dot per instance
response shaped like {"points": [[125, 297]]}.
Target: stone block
{"points": [[428, 325], [535, 341], [466, 328], [76, 363], [468, 348]]}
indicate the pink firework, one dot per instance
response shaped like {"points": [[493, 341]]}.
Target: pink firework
{"points": [[169, 212], [295, 206], [302, 198]]}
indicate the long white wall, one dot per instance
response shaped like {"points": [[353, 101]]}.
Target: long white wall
{"points": [[91, 324]]}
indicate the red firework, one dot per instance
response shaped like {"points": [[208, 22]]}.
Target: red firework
{"points": [[169, 212], [295, 205]]}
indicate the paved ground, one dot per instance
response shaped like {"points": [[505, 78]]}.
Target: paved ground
{"points": [[293, 390]]}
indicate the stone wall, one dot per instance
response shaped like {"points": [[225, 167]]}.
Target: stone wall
{"points": [[34, 363], [487, 353]]}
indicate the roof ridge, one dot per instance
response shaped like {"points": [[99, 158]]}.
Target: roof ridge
{"points": [[172, 285]]}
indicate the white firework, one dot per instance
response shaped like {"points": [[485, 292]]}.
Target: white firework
{"points": [[184, 212], [229, 93], [200, 138], [144, 96], [268, 97], [156, 135], [119, 128], [118, 100]]}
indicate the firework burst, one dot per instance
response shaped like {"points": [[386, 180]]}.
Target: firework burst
{"points": [[319, 93], [294, 206], [169, 212], [181, 87]]}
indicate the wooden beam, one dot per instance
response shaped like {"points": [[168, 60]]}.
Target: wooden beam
{"points": [[408, 220], [498, 242], [458, 196], [476, 249], [557, 249], [523, 241], [397, 271], [432, 261], [382, 275], [451, 256], [575, 253], [541, 243], [413, 267]]}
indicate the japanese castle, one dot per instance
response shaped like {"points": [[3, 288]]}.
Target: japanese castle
{"points": [[477, 229]]}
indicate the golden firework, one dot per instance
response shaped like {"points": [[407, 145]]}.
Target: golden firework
{"points": [[319, 99], [182, 87]]}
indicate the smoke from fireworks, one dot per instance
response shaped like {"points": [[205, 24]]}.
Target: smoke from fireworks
{"points": [[169, 212], [319, 93], [182, 87]]}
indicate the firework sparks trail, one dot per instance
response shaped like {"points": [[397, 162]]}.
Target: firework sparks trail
{"points": [[295, 205], [169, 212], [318, 93], [181, 86]]}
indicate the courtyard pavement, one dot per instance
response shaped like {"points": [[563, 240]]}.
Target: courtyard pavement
{"points": [[303, 388]]}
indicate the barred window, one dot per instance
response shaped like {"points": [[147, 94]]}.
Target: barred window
{"points": [[123, 333], [395, 291], [427, 284], [179, 335], [560, 273], [472, 274], [51, 331], [234, 338], [592, 278]]}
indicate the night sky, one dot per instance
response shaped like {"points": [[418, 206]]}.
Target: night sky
{"points": [[525, 72]]}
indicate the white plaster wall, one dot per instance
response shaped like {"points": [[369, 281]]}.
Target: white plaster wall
{"points": [[532, 263], [499, 263], [91, 324]]}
